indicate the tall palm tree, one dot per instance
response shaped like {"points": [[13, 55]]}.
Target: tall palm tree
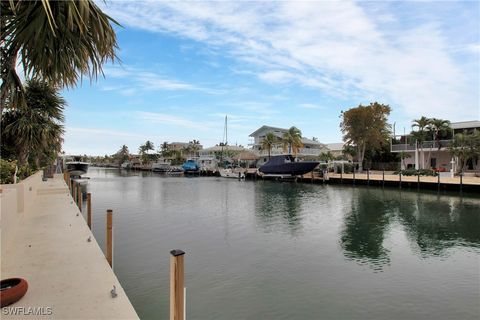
{"points": [[37, 128], [423, 127], [194, 147], [57, 41], [269, 142], [293, 140]]}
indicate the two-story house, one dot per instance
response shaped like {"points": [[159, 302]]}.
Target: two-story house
{"points": [[431, 153]]}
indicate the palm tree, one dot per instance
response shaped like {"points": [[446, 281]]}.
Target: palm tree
{"points": [[35, 129], [423, 126], [269, 142], [194, 147], [123, 154], [293, 140], [57, 41]]}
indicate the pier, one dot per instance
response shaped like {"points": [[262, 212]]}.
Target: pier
{"points": [[46, 241]]}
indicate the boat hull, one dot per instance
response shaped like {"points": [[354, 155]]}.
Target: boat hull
{"points": [[77, 168], [285, 165]]}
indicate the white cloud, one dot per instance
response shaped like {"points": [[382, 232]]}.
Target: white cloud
{"points": [[336, 47], [311, 106], [168, 119]]}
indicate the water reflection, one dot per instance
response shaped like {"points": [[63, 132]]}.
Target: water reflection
{"points": [[365, 227], [281, 201], [432, 223]]}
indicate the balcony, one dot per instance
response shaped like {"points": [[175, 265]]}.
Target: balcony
{"points": [[278, 151], [426, 146]]}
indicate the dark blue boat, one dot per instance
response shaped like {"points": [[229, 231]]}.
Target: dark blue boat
{"points": [[287, 165], [190, 166]]}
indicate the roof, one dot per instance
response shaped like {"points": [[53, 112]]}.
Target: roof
{"points": [[220, 148], [246, 155], [267, 128], [465, 124], [273, 129], [334, 146]]}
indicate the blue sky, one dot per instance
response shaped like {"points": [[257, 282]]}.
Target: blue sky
{"points": [[185, 65]]}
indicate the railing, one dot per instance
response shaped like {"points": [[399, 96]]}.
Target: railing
{"points": [[426, 145], [302, 151]]}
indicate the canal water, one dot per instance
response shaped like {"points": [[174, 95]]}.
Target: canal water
{"points": [[272, 250]]}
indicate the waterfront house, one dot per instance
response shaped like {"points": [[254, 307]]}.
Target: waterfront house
{"points": [[336, 149], [431, 153], [310, 147]]}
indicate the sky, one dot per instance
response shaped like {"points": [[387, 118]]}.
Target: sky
{"points": [[183, 66]]}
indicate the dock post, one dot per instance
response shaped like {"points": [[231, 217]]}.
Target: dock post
{"points": [[368, 177], [79, 197], [438, 181], [353, 174], [461, 182], [89, 210], [341, 176], [177, 302], [312, 176], [383, 177], [74, 191], [109, 237], [418, 180], [400, 180]]}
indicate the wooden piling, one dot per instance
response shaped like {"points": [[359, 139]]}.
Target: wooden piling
{"points": [[341, 176], [418, 180], [383, 177], [400, 180], [79, 197], [109, 233], [353, 174], [438, 175], [461, 181], [74, 191], [177, 285], [89, 210], [368, 176]]}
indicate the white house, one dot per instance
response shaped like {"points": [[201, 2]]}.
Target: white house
{"points": [[310, 147], [430, 153]]}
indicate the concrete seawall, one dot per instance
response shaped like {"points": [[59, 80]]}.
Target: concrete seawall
{"points": [[45, 242]]}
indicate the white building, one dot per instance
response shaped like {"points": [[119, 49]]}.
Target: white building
{"points": [[430, 153], [310, 147]]}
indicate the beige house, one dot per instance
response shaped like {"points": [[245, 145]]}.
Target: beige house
{"points": [[310, 147], [432, 154]]}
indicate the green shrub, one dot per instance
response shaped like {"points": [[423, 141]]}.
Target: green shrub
{"points": [[7, 170], [413, 172]]}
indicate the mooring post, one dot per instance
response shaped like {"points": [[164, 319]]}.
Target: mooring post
{"points": [[74, 191], [438, 175], [368, 176], [400, 180], [383, 177], [89, 210], [341, 176], [109, 233], [177, 302], [418, 180], [79, 197], [312, 176], [461, 181], [353, 174]]}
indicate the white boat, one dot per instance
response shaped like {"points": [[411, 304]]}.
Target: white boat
{"points": [[161, 165], [126, 165], [232, 173], [76, 167], [207, 163]]}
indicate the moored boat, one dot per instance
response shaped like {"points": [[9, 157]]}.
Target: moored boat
{"points": [[287, 165], [77, 167], [190, 166], [231, 173]]}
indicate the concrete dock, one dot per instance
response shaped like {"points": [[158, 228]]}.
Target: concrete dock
{"points": [[44, 240]]}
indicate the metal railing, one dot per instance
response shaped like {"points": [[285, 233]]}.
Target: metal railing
{"points": [[426, 145]]}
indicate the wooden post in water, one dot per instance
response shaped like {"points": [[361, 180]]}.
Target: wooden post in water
{"points": [[353, 174], [177, 285], [418, 180], [368, 176], [89, 210], [438, 181], [341, 176], [383, 177], [79, 197], [400, 180], [74, 191], [461, 181], [109, 233]]}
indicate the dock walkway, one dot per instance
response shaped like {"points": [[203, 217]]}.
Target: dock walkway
{"points": [[44, 240]]}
